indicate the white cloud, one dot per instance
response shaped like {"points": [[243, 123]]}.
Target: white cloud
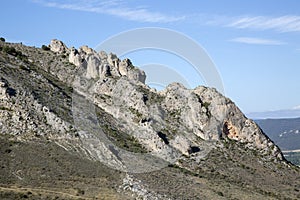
{"points": [[114, 8], [296, 107], [261, 41], [286, 23]]}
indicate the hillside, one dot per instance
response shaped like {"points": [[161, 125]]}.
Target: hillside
{"points": [[78, 124]]}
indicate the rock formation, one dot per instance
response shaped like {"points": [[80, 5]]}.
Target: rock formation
{"points": [[58, 46]]}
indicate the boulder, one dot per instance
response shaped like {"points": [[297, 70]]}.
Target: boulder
{"points": [[85, 51], [58, 46], [132, 73]]}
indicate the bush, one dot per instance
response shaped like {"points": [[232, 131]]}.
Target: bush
{"points": [[220, 194], [12, 51], [9, 50], [2, 39], [24, 68], [44, 47], [206, 105]]}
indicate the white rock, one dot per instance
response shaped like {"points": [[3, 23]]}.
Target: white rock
{"points": [[86, 50], [58, 46], [3, 90], [74, 57], [93, 64]]}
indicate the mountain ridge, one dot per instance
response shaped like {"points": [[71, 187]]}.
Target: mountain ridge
{"points": [[60, 97]]}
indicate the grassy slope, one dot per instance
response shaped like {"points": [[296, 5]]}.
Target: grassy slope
{"points": [[42, 170]]}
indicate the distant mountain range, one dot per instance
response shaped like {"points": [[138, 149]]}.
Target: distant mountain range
{"points": [[284, 132], [277, 114]]}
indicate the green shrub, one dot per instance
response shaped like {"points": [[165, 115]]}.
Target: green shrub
{"points": [[46, 48], [12, 51], [9, 50], [24, 68], [206, 105], [220, 194], [2, 39]]}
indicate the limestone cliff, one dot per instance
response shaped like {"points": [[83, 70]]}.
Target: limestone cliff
{"points": [[182, 115]]}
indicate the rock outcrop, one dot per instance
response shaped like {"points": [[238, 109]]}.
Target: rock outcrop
{"points": [[74, 57], [102, 65], [58, 46]]}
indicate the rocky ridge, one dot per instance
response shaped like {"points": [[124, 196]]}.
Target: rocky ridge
{"points": [[66, 94], [199, 113]]}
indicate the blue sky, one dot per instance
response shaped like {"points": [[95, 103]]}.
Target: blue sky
{"points": [[255, 45]]}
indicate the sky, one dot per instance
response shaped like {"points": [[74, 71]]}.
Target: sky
{"points": [[254, 45]]}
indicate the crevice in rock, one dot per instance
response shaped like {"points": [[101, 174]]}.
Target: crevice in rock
{"points": [[193, 149], [163, 137]]}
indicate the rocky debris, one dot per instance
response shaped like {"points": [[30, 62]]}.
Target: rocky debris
{"points": [[138, 189], [17, 120], [26, 116], [58, 124], [58, 46]]}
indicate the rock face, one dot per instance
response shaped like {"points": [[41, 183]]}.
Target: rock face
{"points": [[177, 112]]}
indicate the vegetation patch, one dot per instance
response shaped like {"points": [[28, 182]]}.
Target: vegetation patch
{"points": [[45, 48], [119, 138], [12, 51]]}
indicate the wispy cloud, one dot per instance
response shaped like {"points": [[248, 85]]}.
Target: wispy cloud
{"points": [[260, 41], [286, 23], [116, 8], [122, 9]]}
